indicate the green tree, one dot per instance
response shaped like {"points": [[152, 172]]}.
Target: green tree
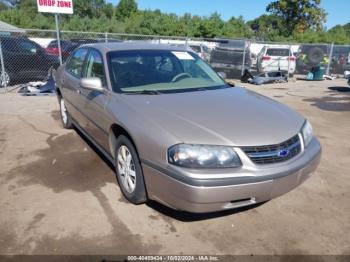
{"points": [[211, 26], [125, 9], [236, 28], [268, 28], [3, 6], [108, 10], [299, 15]]}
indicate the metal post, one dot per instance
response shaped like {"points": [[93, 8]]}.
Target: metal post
{"points": [[289, 56], [58, 38], [106, 37], [330, 59], [243, 60], [2, 67]]}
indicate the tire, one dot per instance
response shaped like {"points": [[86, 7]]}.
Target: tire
{"points": [[315, 56], [129, 171], [65, 116]]}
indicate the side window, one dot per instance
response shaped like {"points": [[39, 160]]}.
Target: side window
{"points": [[94, 66], [27, 47], [76, 62]]}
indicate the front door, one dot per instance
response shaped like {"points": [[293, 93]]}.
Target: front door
{"points": [[96, 101]]}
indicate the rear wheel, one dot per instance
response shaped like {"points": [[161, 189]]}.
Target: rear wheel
{"points": [[65, 116], [129, 171]]}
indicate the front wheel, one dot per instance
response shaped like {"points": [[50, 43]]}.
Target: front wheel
{"points": [[129, 171]]}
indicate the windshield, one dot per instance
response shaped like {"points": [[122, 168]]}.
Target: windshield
{"points": [[161, 71]]}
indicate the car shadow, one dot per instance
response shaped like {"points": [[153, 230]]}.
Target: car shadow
{"points": [[339, 88], [337, 100], [164, 210]]}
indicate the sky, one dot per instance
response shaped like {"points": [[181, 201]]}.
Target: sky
{"points": [[338, 10]]}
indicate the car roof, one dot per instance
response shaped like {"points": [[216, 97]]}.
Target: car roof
{"points": [[125, 46], [278, 47]]}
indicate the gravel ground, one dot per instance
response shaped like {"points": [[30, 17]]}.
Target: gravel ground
{"points": [[58, 196]]}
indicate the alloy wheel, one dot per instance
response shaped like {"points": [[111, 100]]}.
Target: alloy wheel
{"points": [[64, 112], [126, 169]]}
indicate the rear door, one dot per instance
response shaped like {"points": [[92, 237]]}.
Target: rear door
{"points": [[95, 101], [71, 90]]}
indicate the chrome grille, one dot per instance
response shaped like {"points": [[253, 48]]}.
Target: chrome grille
{"points": [[271, 154]]}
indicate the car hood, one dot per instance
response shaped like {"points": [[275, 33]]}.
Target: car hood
{"points": [[230, 116]]}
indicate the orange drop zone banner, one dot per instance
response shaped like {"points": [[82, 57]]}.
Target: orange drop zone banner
{"points": [[55, 6]]}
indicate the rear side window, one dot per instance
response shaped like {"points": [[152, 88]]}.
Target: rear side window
{"points": [[76, 62], [277, 52], [94, 66]]}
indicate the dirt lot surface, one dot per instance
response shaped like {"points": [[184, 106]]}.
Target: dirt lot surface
{"points": [[58, 196]]}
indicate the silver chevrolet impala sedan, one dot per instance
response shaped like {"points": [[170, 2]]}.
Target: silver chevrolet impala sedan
{"points": [[177, 133]]}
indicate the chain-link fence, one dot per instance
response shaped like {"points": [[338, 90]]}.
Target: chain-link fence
{"points": [[29, 55]]}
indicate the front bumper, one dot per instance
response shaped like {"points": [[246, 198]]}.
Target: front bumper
{"points": [[240, 189]]}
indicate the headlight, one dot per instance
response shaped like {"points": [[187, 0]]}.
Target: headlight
{"points": [[306, 131], [203, 156]]}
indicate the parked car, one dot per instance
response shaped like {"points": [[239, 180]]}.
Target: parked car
{"points": [[276, 58], [24, 60], [201, 50], [177, 133], [67, 46], [228, 55]]}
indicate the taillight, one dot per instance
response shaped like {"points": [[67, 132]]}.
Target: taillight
{"points": [[265, 58], [52, 50], [291, 58]]}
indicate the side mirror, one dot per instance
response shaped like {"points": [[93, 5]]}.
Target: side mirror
{"points": [[92, 83], [222, 75]]}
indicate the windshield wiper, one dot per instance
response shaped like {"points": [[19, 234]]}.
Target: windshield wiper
{"points": [[144, 92]]}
